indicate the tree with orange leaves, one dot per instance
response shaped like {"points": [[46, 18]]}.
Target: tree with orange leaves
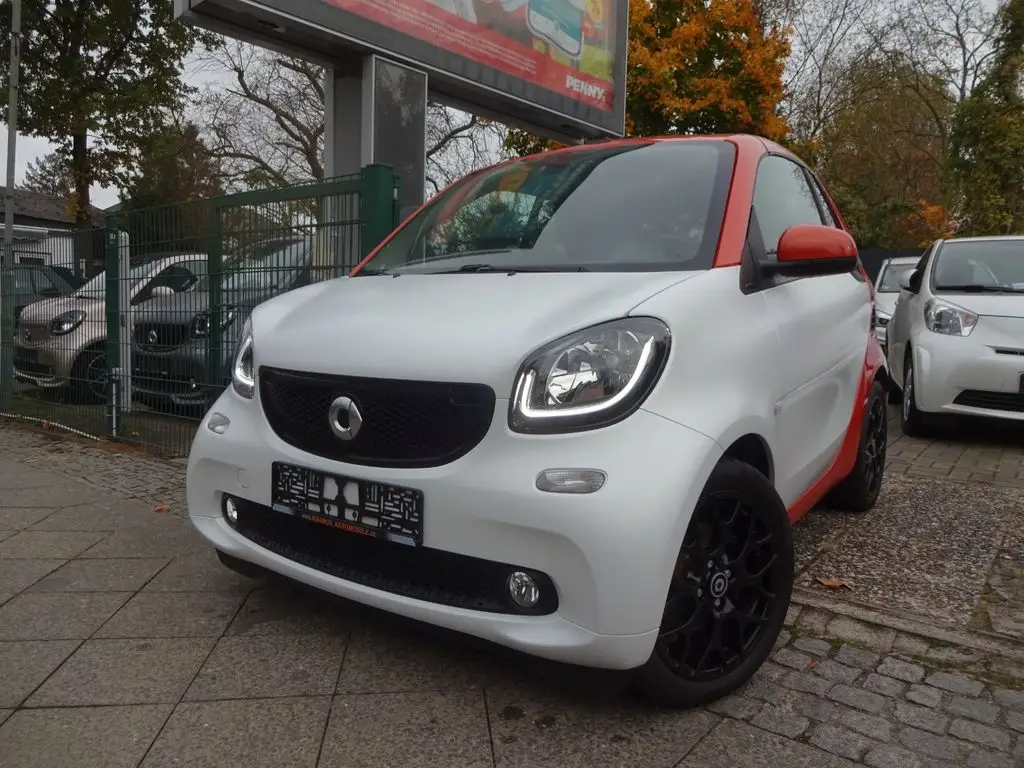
{"points": [[697, 66]]}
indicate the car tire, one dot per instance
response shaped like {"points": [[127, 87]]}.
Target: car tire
{"points": [[859, 491], [741, 529], [88, 377], [912, 421], [895, 394]]}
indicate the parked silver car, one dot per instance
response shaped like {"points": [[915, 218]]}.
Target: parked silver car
{"points": [[61, 342], [956, 338], [887, 291]]}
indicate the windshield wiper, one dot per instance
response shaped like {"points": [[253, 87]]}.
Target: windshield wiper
{"points": [[508, 270], [978, 288]]}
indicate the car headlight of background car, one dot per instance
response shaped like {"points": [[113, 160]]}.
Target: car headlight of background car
{"points": [[591, 378], [201, 322], [948, 319], [243, 372], [66, 322]]}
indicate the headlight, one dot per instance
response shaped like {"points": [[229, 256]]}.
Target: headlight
{"points": [[243, 374], [67, 322], [201, 322], [949, 319], [591, 378]]}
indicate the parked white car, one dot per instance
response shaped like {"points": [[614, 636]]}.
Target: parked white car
{"points": [[887, 291], [956, 339], [571, 406]]}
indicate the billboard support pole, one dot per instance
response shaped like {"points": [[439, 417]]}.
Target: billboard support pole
{"points": [[375, 115], [7, 255], [378, 115]]}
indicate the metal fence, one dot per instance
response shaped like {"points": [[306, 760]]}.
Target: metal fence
{"points": [[142, 349]]}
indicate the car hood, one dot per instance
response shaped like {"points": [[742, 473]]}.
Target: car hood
{"points": [[43, 312], [462, 327], [988, 304], [886, 302]]}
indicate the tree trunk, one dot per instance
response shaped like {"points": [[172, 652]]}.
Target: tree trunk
{"points": [[92, 258]]}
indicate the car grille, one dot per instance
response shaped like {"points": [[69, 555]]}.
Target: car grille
{"points": [[405, 423], [167, 375], [995, 401], [160, 336], [421, 573]]}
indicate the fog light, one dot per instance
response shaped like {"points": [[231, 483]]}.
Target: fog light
{"points": [[231, 510], [523, 589], [571, 480], [218, 423]]}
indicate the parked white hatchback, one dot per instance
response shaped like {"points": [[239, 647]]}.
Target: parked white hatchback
{"points": [[571, 406], [956, 338]]}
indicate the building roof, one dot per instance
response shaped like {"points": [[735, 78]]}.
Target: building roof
{"points": [[37, 205]]}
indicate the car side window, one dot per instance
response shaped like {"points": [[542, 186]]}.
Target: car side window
{"points": [[782, 198], [43, 282], [819, 196], [177, 277]]}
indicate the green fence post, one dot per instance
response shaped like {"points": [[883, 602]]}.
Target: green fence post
{"points": [[113, 312], [378, 198], [215, 272]]}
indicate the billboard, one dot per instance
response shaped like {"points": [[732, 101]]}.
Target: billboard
{"points": [[557, 65]]}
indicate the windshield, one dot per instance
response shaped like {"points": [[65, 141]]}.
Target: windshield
{"points": [[995, 266], [656, 205], [264, 266], [96, 288], [890, 277]]}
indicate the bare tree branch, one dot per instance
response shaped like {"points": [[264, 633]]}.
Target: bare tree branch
{"points": [[264, 118]]}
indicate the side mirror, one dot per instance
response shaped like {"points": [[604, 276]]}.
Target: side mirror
{"points": [[907, 281], [161, 291], [813, 250]]}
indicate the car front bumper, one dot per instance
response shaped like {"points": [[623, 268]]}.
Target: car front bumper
{"points": [[609, 554], [47, 365], [968, 376]]}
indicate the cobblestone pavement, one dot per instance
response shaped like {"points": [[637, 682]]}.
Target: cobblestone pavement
{"points": [[124, 642]]}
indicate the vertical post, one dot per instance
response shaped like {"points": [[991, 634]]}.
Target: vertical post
{"points": [[7, 257], [113, 312], [378, 201], [217, 362]]}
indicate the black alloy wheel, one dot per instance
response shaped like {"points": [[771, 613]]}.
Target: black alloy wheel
{"points": [[859, 490], [89, 377], [729, 592], [875, 444]]}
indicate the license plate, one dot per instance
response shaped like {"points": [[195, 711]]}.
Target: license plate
{"points": [[376, 510]]}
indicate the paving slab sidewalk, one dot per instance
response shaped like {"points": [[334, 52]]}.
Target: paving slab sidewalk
{"points": [[124, 642]]}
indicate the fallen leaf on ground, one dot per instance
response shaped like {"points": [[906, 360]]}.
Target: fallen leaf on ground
{"points": [[162, 508], [830, 583]]}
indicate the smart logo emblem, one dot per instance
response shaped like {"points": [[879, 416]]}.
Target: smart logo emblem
{"points": [[345, 418]]}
